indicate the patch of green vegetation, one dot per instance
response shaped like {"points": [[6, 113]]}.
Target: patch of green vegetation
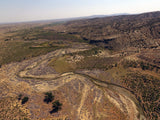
{"points": [[18, 51], [20, 96], [24, 100], [61, 65], [21, 46], [56, 105], [52, 35], [48, 97], [37, 33]]}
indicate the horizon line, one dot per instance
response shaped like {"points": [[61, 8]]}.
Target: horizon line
{"points": [[74, 18]]}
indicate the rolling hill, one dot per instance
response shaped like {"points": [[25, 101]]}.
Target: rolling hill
{"points": [[118, 32]]}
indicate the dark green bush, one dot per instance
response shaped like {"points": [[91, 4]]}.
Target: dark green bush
{"points": [[56, 106], [24, 100], [48, 97], [19, 96]]}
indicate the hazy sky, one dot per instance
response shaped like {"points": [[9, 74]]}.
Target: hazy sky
{"points": [[28, 10]]}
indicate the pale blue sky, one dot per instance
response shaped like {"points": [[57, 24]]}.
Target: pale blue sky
{"points": [[28, 10]]}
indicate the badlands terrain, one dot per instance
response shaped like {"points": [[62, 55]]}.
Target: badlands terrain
{"points": [[92, 69]]}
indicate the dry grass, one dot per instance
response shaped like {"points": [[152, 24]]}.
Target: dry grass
{"points": [[61, 65], [11, 108]]}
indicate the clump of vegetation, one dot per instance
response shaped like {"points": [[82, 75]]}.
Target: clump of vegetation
{"points": [[48, 97], [19, 51], [56, 106], [20, 96], [24, 100], [39, 33], [52, 35]]}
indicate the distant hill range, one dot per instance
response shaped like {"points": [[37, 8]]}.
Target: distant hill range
{"points": [[64, 19], [117, 32]]}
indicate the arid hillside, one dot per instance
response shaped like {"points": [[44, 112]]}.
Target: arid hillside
{"points": [[89, 69], [118, 32]]}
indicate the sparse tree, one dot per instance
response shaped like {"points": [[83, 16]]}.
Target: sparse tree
{"points": [[19, 96], [48, 97], [24, 100], [56, 106]]}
